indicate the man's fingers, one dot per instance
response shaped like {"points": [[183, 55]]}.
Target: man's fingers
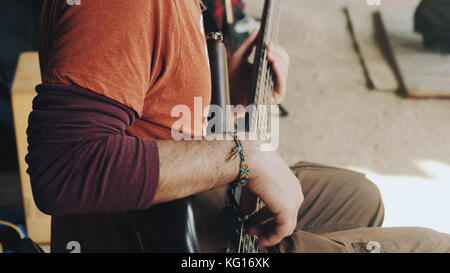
{"points": [[280, 72], [282, 230], [271, 229], [279, 59], [278, 52], [247, 45], [259, 217], [271, 232], [251, 39], [294, 223]]}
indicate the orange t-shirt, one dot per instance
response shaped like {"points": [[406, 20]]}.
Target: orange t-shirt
{"points": [[149, 55]]}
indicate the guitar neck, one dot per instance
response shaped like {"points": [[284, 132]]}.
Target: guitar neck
{"points": [[259, 119], [263, 81]]}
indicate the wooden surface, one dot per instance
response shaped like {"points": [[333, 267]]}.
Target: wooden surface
{"points": [[366, 33], [22, 94], [424, 73]]}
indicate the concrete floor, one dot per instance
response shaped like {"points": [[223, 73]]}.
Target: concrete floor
{"points": [[403, 145]]}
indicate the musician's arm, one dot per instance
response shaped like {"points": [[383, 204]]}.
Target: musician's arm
{"points": [[81, 161]]}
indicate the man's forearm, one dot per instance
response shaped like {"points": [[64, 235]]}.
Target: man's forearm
{"points": [[190, 167]]}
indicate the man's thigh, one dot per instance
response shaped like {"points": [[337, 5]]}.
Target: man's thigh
{"points": [[336, 199], [368, 240], [343, 212]]}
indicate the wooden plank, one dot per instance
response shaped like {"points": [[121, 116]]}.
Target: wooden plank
{"points": [[374, 57], [424, 73], [22, 93]]}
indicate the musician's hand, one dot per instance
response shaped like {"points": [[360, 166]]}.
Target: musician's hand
{"points": [[279, 59], [240, 70], [273, 181]]}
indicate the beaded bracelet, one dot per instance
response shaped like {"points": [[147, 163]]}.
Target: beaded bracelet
{"points": [[244, 170]]}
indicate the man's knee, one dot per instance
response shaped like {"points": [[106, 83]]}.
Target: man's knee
{"points": [[361, 194], [370, 200], [350, 190]]}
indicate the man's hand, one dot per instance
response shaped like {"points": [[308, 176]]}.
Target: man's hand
{"points": [[240, 70], [279, 189], [191, 167]]}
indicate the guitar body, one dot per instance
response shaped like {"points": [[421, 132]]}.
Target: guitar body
{"points": [[190, 225]]}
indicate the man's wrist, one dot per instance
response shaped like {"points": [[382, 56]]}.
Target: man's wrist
{"points": [[252, 148]]}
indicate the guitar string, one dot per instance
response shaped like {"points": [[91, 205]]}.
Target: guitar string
{"points": [[260, 130], [252, 241], [258, 102], [240, 235], [268, 81], [262, 116]]}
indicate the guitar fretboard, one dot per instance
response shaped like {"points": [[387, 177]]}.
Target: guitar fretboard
{"points": [[263, 79]]}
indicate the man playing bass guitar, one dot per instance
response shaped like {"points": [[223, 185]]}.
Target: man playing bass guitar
{"points": [[100, 141]]}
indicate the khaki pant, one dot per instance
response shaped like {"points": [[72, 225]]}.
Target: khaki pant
{"points": [[343, 212]]}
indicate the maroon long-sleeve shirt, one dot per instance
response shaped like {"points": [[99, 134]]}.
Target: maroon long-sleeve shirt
{"points": [[86, 171]]}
